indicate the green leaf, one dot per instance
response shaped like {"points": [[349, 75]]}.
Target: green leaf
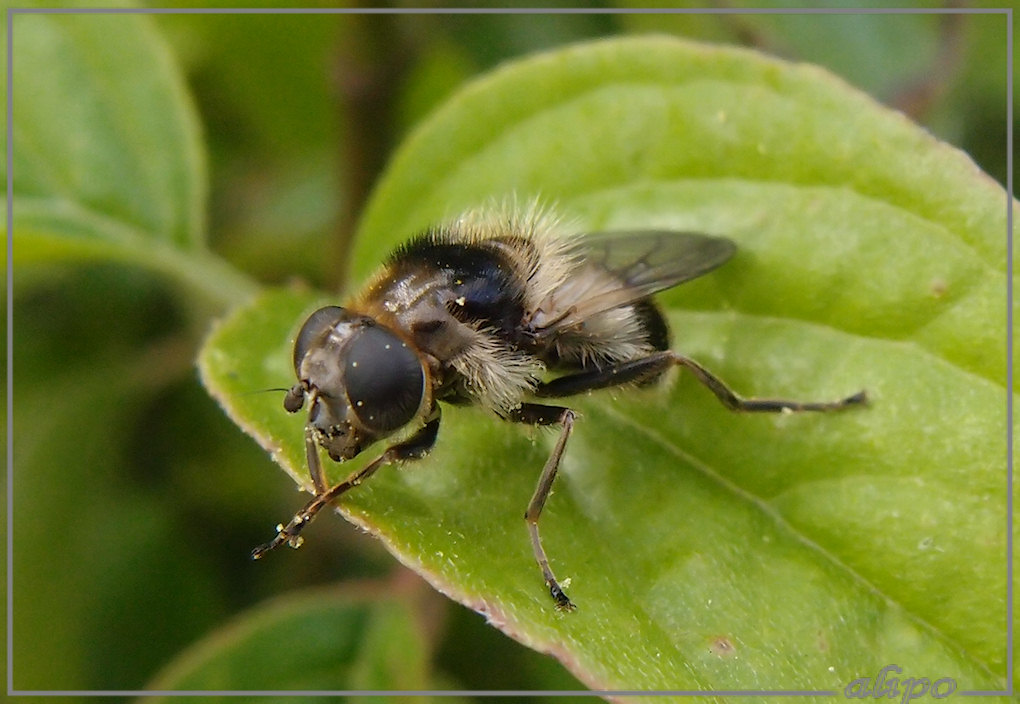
{"points": [[84, 145], [318, 640], [108, 162], [708, 550]]}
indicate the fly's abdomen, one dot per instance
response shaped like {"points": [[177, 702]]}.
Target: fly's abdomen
{"points": [[653, 323]]}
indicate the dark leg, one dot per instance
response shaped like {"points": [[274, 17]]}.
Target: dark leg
{"points": [[536, 414], [653, 365], [414, 448]]}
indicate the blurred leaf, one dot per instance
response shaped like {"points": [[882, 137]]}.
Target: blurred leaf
{"points": [[108, 169], [108, 161], [100, 568], [318, 640], [974, 113], [235, 68], [127, 149], [266, 84], [708, 550], [431, 79]]}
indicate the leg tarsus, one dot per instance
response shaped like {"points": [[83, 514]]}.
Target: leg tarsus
{"points": [[563, 602]]}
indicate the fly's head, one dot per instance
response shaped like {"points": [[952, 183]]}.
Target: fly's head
{"points": [[362, 382]]}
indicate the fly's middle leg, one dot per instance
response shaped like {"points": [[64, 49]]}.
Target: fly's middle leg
{"points": [[536, 414]]}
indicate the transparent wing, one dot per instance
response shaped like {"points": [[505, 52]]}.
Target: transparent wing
{"points": [[618, 268]]}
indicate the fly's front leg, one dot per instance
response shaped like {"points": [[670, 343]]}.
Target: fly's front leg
{"points": [[647, 368], [536, 414], [414, 448]]}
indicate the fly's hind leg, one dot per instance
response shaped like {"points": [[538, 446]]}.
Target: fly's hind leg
{"points": [[536, 414], [416, 447], [648, 368]]}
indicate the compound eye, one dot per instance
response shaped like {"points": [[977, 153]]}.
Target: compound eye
{"points": [[314, 329], [385, 380]]}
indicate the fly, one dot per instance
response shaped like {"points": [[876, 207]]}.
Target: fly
{"points": [[501, 311]]}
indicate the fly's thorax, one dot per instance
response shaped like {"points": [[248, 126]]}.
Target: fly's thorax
{"points": [[363, 381], [440, 295]]}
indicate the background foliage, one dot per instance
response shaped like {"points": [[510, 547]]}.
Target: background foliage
{"points": [[164, 168]]}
